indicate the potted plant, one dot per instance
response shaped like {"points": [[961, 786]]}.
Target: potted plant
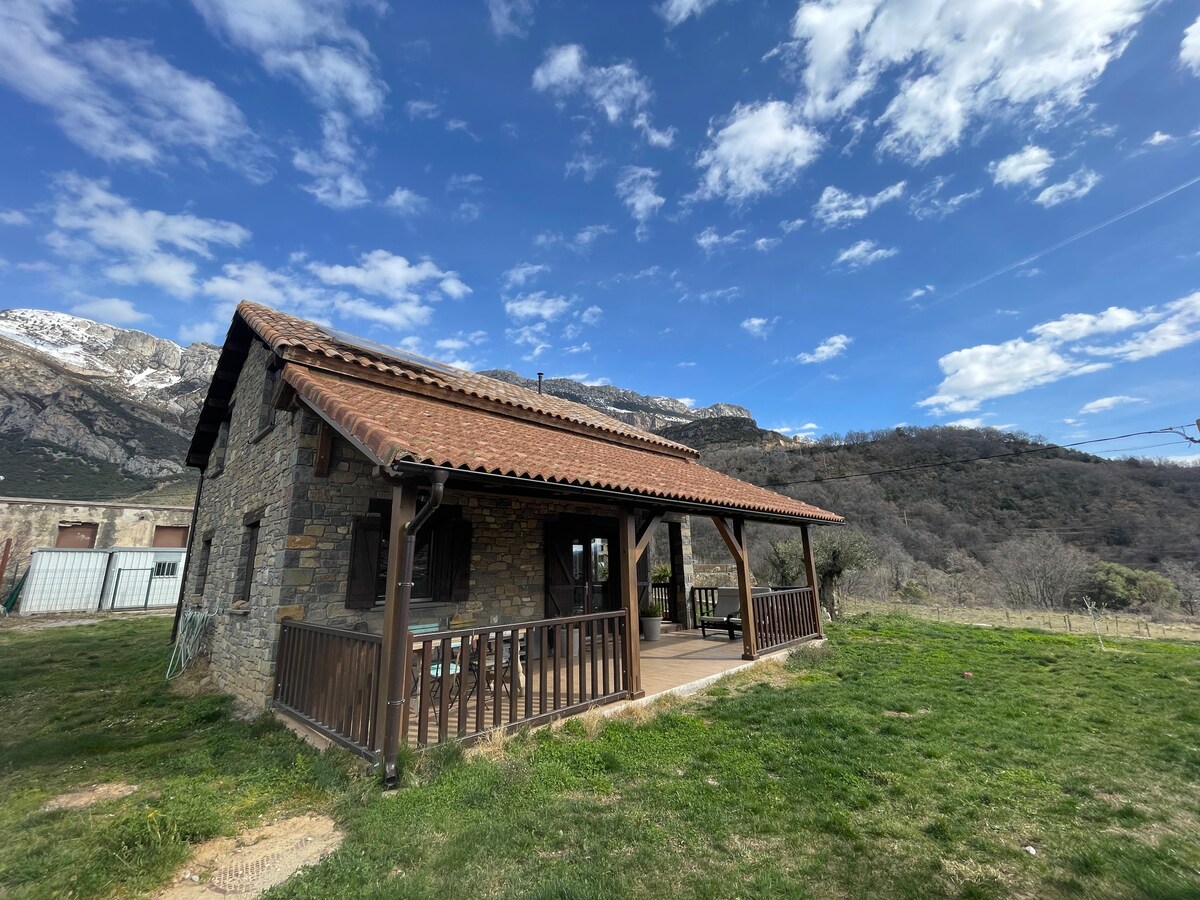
{"points": [[651, 620]]}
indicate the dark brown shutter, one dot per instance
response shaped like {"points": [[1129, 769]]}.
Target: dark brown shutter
{"points": [[449, 557], [364, 564]]}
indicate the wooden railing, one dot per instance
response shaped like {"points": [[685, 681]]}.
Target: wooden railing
{"points": [[660, 600], [783, 617], [328, 678], [466, 682]]}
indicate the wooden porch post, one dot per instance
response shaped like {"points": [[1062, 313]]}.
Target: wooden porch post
{"points": [[810, 569], [733, 532], [634, 542], [404, 509], [629, 598]]}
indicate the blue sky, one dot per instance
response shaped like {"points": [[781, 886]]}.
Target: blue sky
{"points": [[842, 216]]}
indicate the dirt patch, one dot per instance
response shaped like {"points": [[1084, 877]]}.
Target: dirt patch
{"points": [[897, 714], [256, 860], [87, 796]]}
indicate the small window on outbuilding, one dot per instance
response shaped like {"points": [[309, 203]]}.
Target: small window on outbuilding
{"points": [[165, 569], [77, 535], [170, 536]]}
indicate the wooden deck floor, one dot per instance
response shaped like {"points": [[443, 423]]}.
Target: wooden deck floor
{"points": [[682, 657]]}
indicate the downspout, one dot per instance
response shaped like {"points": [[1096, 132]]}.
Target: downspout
{"points": [[187, 560], [398, 646]]}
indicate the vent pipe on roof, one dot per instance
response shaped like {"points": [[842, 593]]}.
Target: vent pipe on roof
{"points": [[540, 374]]}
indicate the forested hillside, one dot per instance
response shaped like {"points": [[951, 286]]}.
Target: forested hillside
{"points": [[951, 517]]}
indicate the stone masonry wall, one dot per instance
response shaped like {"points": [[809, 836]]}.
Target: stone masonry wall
{"points": [[257, 474]]}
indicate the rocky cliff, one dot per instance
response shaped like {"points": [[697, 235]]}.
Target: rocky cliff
{"points": [[641, 411], [80, 400]]}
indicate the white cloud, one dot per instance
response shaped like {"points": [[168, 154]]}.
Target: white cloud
{"points": [[461, 125], [636, 188], [589, 234], [404, 202], [538, 305], [942, 66], [510, 18], [585, 164], [284, 289], [758, 326], [1057, 351], [616, 90], [110, 309], [422, 109], [140, 246], [533, 336], [676, 12], [13, 217], [921, 291], [653, 136], [790, 225], [988, 371], [1025, 168], [1078, 185], [837, 208], [1107, 403], [310, 42], [826, 350], [469, 183], [766, 245], [1076, 326], [1158, 139], [592, 315], [468, 211], [757, 149], [1189, 48], [522, 273], [969, 422], [336, 168], [709, 241], [929, 204], [461, 341], [863, 253], [385, 274], [116, 99]]}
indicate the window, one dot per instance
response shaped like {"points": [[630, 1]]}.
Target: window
{"points": [[441, 563], [202, 564], [250, 548], [77, 535], [266, 406], [170, 536], [219, 450], [165, 569]]}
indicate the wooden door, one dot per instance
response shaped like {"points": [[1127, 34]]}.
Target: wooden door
{"points": [[77, 535], [578, 566]]}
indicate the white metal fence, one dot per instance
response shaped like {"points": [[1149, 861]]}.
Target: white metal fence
{"points": [[90, 580]]}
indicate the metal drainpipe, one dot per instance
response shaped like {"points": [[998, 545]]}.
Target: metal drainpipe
{"points": [[397, 648]]}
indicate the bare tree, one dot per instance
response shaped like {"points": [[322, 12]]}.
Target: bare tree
{"points": [[1039, 570], [1187, 581]]}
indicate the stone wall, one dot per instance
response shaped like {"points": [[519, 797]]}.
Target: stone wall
{"points": [[255, 481]]}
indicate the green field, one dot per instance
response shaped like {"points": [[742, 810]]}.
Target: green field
{"points": [[872, 768]]}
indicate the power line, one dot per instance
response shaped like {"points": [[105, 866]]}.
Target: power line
{"points": [[1170, 429]]}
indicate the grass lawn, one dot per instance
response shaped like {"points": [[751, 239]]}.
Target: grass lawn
{"points": [[870, 769]]}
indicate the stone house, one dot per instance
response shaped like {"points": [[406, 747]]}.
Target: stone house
{"points": [[389, 546]]}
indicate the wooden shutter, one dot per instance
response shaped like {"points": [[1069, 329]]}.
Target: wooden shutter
{"points": [[449, 557], [364, 564]]}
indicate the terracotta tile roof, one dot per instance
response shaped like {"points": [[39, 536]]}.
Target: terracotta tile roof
{"points": [[395, 425], [285, 333]]}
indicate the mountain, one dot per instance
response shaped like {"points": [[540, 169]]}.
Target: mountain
{"points": [[93, 411], [641, 411]]}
